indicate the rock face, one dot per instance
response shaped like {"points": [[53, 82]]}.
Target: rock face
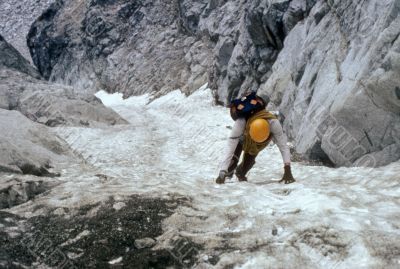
{"points": [[27, 147], [329, 66], [16, 18], [18, 191], [133, 47], [43, 102], [53, 105], [156, 46], [337, 83], [11, 58]]}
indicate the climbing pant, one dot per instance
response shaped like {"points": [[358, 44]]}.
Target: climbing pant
{"points": [[244, 167]]}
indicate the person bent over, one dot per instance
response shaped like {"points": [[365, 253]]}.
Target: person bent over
{"points": [[253, 130]]}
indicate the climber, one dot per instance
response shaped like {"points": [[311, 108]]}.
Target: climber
{"points": [[253, 129]]}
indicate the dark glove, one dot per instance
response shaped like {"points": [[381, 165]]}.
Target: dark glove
{"points": [[221, 177], [287, 176]]}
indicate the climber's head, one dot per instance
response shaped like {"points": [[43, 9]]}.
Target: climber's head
{"points": [[259, 130]]}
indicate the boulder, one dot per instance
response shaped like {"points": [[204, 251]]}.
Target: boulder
{"points": [[16, 191], [21, 88], [144, 243], [52, 104], [11, 58], [27, 147]]}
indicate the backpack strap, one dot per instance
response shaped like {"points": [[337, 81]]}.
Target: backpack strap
{"points": [[251, 147]]}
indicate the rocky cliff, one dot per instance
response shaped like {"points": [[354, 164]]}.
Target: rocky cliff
{"points": [[16, 18], [10, 58], [329, 66], [156, 46], [23, 89], [336, 82]]}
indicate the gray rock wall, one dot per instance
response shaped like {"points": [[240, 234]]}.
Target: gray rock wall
{"points": [[43, 102], [117, 46], [12, 59], [51, 104], [27, 147], [16, 18], [337, 80], [158, 46]]}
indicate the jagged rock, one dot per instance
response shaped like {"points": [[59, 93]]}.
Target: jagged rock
{"points": [[159, 46], [16, 18], [27, 147], [113, 46], [18, 191], [53, 105], [11, 58], [336, 83], [44, 102]]}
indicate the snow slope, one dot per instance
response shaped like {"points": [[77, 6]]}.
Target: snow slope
{"points": [[330, 218]]}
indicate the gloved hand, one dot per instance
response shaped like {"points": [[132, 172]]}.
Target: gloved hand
{"points": [[221, 177], [287, 176]]}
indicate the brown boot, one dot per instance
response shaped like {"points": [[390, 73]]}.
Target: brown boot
{"points": [[245, 166], [221, 177], [241, 177]]}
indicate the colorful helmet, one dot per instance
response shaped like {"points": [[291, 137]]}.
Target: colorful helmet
{"points": [[259, 130]]}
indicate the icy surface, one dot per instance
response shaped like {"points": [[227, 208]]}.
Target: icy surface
{"points": [[330, 218]]}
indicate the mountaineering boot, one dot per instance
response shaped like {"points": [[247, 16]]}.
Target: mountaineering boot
{"points": [[240, 176], [247, 163], [221, 177]]}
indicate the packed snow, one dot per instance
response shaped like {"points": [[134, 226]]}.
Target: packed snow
{"points": [[330, 218]]}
